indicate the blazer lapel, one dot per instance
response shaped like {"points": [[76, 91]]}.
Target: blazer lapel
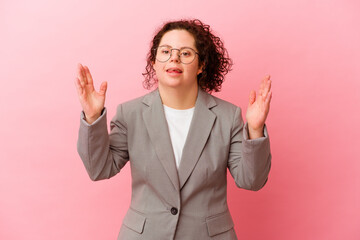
{"points": [[200, 128], [154, 118]]}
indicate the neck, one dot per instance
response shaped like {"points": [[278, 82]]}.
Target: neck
{"points": [[178, 98]]}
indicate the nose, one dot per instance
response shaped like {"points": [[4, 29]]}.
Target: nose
{"points": [[175, 56]]}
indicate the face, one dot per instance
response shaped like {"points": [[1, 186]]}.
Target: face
{"points": [[173, 73]]}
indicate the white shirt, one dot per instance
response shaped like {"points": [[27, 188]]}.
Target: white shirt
{"points": [[179, 123]]}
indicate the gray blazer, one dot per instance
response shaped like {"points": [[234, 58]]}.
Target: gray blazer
{"points": [[188, 203]]}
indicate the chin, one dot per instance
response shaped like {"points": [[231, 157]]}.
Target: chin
{"points": [[173, 83]]}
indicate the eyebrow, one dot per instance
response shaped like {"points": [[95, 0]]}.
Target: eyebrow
{"points": [[165, 45]]}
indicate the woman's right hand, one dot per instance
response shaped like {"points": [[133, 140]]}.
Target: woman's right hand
{"points": [[91, 101]]}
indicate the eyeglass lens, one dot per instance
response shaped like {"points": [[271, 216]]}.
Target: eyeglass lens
{"points": [[187, 55]]}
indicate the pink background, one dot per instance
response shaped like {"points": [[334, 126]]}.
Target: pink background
{"points": [[310, 48]]}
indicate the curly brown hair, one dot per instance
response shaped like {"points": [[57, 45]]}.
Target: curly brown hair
{"points": [[212, 54]]}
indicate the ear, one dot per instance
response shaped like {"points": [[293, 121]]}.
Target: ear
{"points": [[201, 68], [153, 64]]}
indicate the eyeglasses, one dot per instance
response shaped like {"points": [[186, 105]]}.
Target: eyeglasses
{"points": [[187, 55]]}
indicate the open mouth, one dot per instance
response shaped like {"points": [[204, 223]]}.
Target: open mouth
{"points": [[174, 70]]}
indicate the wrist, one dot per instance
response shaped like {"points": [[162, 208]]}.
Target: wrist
{"points": [[91, 119], [255, 133]]}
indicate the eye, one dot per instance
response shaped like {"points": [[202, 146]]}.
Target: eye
{"points": [[164, 50], [186, 53]]}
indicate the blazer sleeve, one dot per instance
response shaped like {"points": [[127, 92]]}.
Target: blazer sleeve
{"points": [[249, 159], [103, 154]]}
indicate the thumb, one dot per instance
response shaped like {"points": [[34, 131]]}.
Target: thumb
{"points": [[103, 88], [252, 97]]}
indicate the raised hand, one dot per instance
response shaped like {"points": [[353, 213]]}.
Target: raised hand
{"points": [[91, 101], [258, 108]]}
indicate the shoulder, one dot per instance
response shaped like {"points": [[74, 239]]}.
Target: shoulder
{"points": [[226, 112], [135, 106], [223, 106]]}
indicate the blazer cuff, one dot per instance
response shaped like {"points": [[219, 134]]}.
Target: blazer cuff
{"points": [[257, 141], [83, 118]]}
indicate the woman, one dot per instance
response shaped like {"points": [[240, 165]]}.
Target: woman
{"points": [[179, 139]]}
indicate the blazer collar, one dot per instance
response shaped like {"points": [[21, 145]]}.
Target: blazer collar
{"points": [[203, 98], [200, 128]]}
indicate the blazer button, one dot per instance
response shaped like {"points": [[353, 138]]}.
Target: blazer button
{"points": [[174, 211]]}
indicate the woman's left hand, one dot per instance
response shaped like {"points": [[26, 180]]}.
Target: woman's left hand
{"points": [[258, 109]]}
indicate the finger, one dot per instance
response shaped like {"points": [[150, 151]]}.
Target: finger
{"points": [[262, 87], [267, 89], [80, 74], [267, 82], [268, 100], [88, 75], [79, 71], [266, 86], [79, 88], [83, 74], [103, 88], [252, 97], [81, 81]]}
